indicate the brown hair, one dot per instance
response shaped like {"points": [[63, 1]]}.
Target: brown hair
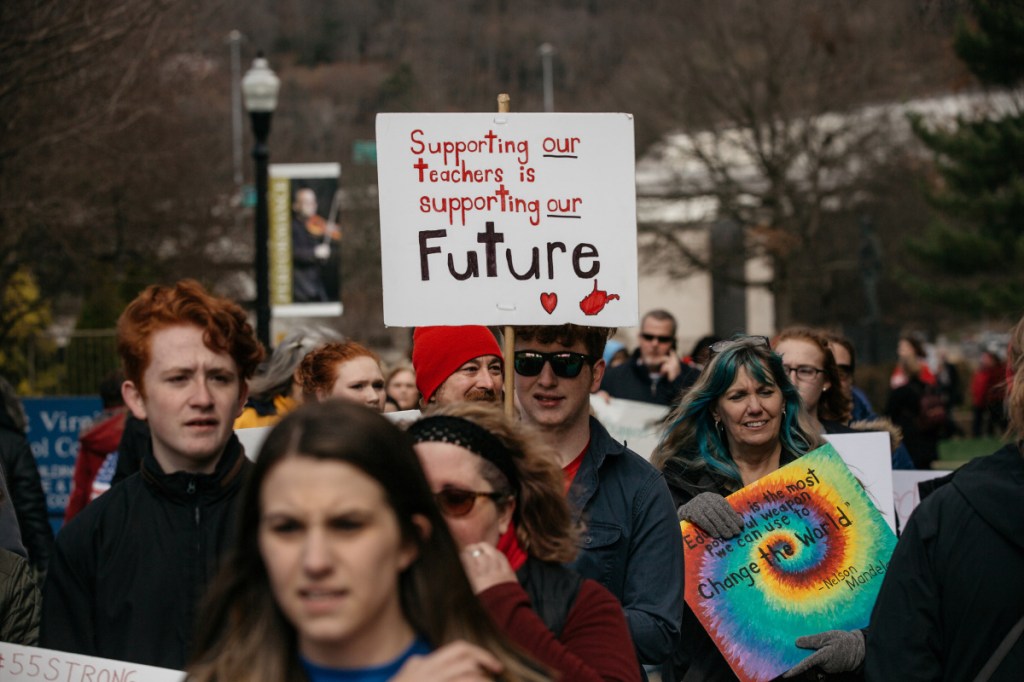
{"points": [[916, 344], [833, 405], [543, 521], [593, 338], [243, 634], [318, 371], [395, 371], [1015, 389], [840, 340], [223, 322], [662, 316]]}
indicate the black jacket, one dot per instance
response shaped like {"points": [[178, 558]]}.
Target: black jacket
{"points": [[632, 381], [953, 589], [904, 409], [129, 570], [10, 534], [26, 490], [19, 601]]}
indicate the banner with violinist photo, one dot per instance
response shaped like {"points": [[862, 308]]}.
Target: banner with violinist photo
{"points": [[810, 558], [305, 239]]}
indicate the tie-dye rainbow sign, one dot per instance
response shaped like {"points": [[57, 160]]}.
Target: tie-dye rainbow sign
{"points": [[811, 557]]}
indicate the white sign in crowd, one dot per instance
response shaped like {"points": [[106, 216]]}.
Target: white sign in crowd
{"points": [[30, 664], [507, 219]]}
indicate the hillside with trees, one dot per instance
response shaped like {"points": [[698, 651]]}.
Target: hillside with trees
{"points": [[116, 149]]}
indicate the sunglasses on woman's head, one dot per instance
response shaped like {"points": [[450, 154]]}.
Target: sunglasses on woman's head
{"points": [[459, 502], [720, 346], [565, 364]]}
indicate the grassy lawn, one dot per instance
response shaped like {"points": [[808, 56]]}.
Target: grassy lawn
{"points": [[959, 450]]}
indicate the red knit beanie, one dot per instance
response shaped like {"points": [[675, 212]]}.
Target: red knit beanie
{"points": [[438, 351]]}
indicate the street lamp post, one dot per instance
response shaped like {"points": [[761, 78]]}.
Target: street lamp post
{"points": [[259, 89], [547, 51]]}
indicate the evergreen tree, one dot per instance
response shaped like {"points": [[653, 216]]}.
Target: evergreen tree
{"points": [[976, 243]]}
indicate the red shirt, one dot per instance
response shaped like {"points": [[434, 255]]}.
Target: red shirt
{"points": [[508, 544], [572, 468]]}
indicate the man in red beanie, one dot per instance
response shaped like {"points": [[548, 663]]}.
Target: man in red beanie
{"points": [[456, 363]]}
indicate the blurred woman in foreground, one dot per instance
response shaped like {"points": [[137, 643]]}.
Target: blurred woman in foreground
{"points": [[344, 567], [348, 370], [739, 422], [486, 474]]}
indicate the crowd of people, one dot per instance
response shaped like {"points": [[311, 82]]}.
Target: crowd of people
{"points": [[459, 543]]}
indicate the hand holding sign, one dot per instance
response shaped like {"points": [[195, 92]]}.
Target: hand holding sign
{"points": [[712, 514], [836, 651]]}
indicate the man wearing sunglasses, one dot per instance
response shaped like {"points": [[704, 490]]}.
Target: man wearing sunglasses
{"points": [[654, 373], [631, 542], [454, 364]]}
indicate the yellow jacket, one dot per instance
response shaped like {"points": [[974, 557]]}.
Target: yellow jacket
{"points": [[250, 418]]}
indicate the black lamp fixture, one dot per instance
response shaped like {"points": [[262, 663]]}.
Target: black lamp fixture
{"points": [[260, 86]]}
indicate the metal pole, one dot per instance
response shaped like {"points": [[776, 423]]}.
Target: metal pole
{"points": [[260, 153], [235, 39], [546, 52]]}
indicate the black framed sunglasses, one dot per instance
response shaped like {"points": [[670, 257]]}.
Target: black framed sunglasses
{"points": [[654, 337], [720, 346], [459, 502], [565, 364]]}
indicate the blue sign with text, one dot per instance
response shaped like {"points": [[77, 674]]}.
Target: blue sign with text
{"points": [[53, 428]]}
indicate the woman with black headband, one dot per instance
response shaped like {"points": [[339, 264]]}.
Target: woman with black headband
{"points": [[487, 475]]}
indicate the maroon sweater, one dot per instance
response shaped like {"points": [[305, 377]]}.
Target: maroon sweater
{"points": [[595, 643]]}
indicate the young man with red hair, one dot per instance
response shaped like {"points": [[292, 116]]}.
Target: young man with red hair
{"points": [[129, 570]]}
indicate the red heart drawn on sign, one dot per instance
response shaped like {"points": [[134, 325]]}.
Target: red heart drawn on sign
{"points": [[548, 302]]}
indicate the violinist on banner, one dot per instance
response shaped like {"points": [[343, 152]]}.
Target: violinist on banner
{"points": [[314, 251]]}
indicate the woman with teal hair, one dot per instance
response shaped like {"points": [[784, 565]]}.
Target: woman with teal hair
{"points": [[714, 442], [739, 422]]}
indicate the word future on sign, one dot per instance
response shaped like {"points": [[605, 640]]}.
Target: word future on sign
{"points": [[507, 219]]}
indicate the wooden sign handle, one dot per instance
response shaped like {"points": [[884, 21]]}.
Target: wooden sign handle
{"points": [[504, 107]]}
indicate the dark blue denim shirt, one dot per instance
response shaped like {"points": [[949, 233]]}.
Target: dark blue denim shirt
{"points": [[631, 542]]}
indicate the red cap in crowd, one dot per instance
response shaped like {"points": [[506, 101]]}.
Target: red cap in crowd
{"points": [[438, 351]]}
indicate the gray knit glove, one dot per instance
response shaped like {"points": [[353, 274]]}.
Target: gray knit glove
{"points": [[838, 651], [712, 514]]}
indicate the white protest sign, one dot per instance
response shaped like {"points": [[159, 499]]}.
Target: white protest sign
{"points": [[29, 664], [252, 438], [637, 424], [869, 459], [507, 219], [403, 417], [906, 494]]}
